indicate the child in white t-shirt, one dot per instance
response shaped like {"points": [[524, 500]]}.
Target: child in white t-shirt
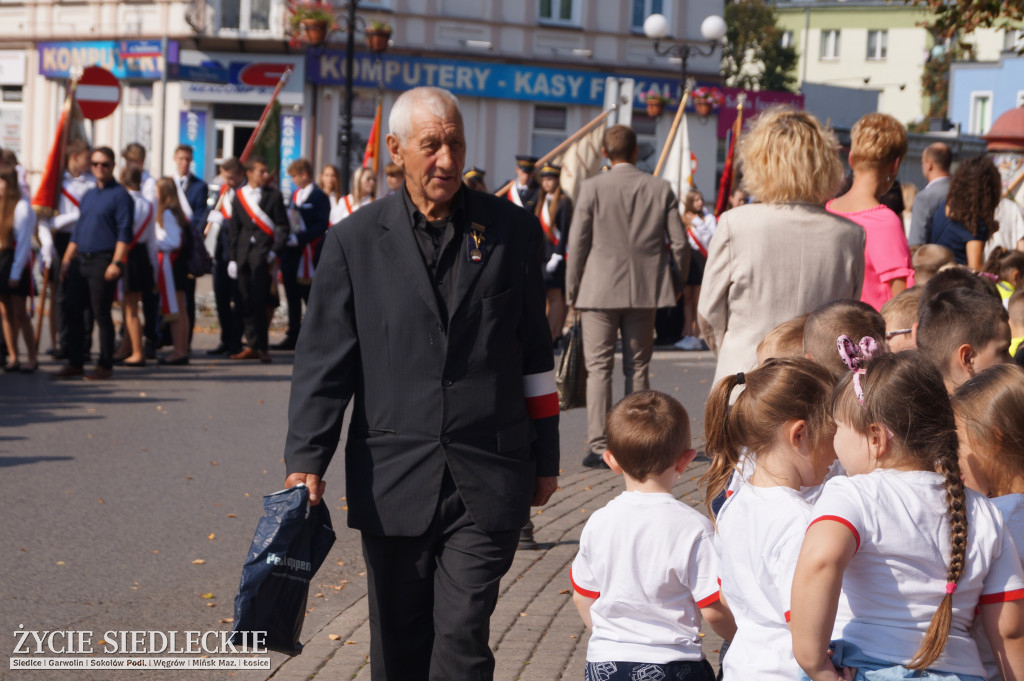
{"points": [[898, 556], [781, 416], [989, 412], [646, 571]]}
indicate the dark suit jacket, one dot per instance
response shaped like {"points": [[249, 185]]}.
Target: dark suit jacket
{"points": [[249, 242], [196, 194], [316, 216], [425, 398]]}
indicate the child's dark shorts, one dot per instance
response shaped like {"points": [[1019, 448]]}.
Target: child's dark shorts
{"points": [[692, 670]]}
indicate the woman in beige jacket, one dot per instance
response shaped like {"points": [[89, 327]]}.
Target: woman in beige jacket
{"points": [[784, 256]]}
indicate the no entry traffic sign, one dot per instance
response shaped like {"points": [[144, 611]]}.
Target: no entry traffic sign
{"points": [[98, 93]]}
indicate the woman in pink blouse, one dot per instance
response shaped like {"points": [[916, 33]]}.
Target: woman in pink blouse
{"points": [[878, 142]]}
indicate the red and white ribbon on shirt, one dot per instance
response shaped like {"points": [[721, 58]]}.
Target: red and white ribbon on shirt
{"points": [[545, 221], [256, 214], [225, 206], [541, 395], [513, 195], [182, 199], [306, 267], [693, 237], [165, 282], [70, 197]]}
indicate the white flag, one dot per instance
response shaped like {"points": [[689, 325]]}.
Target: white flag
{"points": [[678, 168], [581, 160]]}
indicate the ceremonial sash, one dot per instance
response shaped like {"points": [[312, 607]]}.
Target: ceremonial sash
{"points": [[297, 212], [513, 195], [183, 200], [700, 245], [256, 214], [70, 197], [545, 222], [306, 267], [348, 205], [541, 395], [225, 205], [142, 229], [165, 283]]}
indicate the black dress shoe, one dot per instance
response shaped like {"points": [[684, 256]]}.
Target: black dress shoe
{"points": [[221, 349], [149, 350], [593, 460], [286, 344], [526, 540]]}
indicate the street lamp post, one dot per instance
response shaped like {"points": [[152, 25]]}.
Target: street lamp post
{"points": [[712, 28], [346, 112]]}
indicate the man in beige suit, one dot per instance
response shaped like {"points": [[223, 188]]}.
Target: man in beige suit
{"points": [[619, 272]]}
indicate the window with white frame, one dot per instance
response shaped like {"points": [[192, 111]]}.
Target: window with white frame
{"points": [[12, 119], [645, 8], [787, 39], [878, 44], [1014, 40], [830, 43], [549, 128], [560, 12], [244, 16], [137, 120], [981, 113]]}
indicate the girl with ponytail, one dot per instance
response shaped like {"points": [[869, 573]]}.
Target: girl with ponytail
{"points": [[898, 556], [779, 431]]}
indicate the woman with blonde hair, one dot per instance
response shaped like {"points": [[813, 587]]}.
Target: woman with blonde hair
{"points": [[17, 225], [878, 143], [172, 239], [786, 255], [364, 191]]}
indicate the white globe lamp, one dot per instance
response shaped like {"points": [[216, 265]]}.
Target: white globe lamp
{"points": [[713, 28], [656, 26]]}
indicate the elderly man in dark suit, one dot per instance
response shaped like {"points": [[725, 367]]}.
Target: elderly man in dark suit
{"points": [[428, 309]]}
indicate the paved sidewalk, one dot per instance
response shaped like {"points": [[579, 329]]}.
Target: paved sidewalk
{"points": [[536, 633]]}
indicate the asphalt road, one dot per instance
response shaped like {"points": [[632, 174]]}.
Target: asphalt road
{"points": [[126, 504]]}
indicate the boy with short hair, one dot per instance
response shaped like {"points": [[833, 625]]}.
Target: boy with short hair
{"points": [[848, 317], [647, 570], [900, 314], [785, 340], [964, 332]]}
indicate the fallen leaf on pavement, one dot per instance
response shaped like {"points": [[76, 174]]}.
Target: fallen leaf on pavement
{"points": [[227, 620], [199, 561], [211, 605], [101, 501], [206, 596], [563, 591], [334, 637], [232, 515], [212, 536]]}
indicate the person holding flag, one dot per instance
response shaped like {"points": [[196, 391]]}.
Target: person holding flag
{"points": [[258, 229], [554, 210], [309, 215]]}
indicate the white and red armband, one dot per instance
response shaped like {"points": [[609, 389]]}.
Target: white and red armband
{"points": [[541, 395]]}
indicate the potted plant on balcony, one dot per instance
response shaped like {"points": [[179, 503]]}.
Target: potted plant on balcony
{"points": [[706, 99], [310, 20], [655, 102], [378, 33]]}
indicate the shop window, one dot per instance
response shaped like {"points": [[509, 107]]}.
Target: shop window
{"points": [[830, 43], [560, 12], [981, 113], [878, 44], [787, 39], [645, 8], [549, 129], [12, 113], [244, 16], [137, 121]]}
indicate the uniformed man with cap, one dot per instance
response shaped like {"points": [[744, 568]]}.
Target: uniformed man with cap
{"points": [[474, 179], [523, 191]]}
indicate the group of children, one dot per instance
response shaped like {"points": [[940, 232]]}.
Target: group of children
{"points": [[867, 493]]}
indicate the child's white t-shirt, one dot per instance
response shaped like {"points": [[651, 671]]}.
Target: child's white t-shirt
{"points": [[650, 562], [1011, 506], [760, 531], [897, 578]]}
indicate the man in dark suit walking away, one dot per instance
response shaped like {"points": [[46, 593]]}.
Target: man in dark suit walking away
{"points": [[259, 229], [309, 215], [192, 194], [427, 309]]}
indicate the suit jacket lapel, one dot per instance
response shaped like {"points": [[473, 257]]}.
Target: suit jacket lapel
{"points": [[469, 272], [400, 244]]}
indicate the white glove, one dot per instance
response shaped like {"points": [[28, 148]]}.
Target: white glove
{"points": [[48, 253], [553, 263], [215, 217], [233, 269], [271, 257], [292, 240]]}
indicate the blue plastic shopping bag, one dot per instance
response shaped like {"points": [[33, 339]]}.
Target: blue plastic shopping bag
{"points": [[292, 540]]}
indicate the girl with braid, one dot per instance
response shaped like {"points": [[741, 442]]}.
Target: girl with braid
{"points": [[898, 556]]}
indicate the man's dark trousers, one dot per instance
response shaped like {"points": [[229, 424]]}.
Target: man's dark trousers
{"points": [[254, 292], [87, 287], [295, 293], [428, 640]]}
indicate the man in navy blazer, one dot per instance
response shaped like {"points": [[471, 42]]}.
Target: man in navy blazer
{"points": [[192, 195], [309, 215], [427, 311]]}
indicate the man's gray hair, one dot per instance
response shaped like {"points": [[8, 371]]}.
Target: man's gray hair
{"points": [[435, 100]]}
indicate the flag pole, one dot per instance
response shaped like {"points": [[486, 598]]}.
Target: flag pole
{"points": [[725, 185], [675, 127], [568, 142], [260, 127]]}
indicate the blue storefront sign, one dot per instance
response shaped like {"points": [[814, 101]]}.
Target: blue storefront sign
{"points": [[291, 149], [477, 79], [192, 131], [126, 59]]}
